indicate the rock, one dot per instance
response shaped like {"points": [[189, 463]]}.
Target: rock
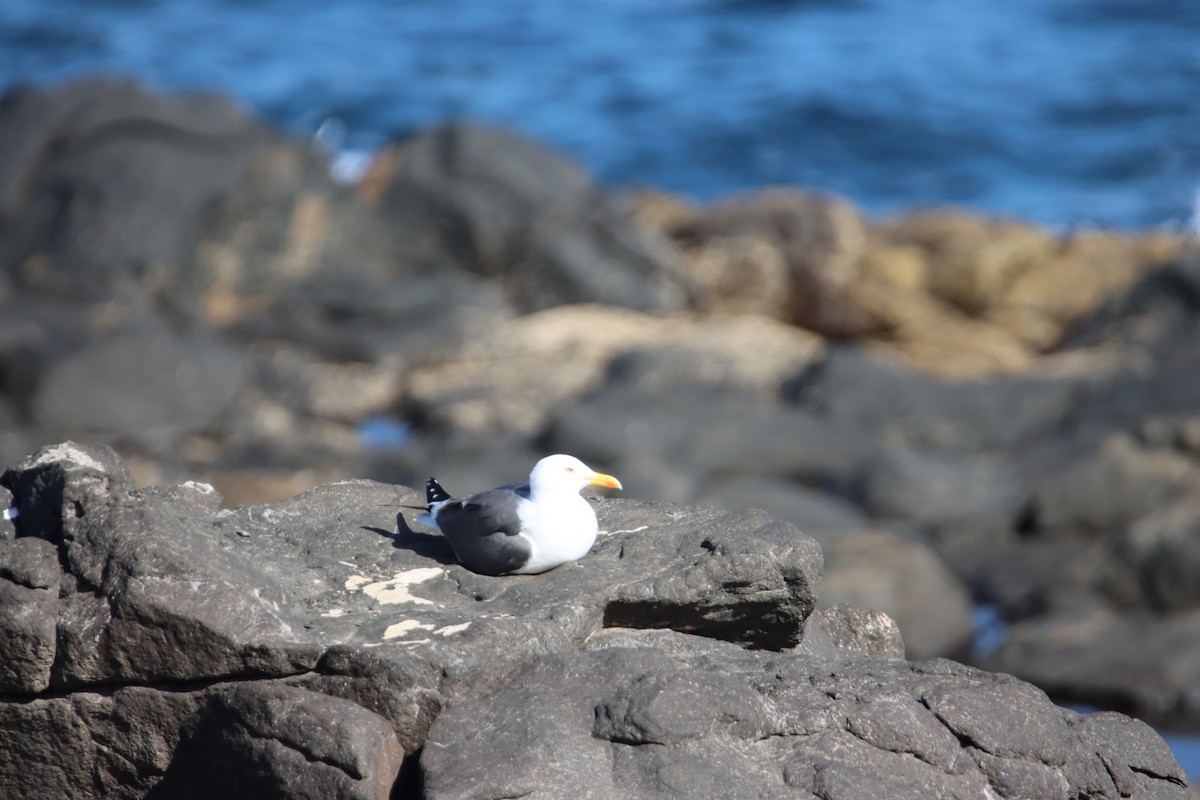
{"points": [[106, 185], [860, 390], [8, 527], [271, 740], [29, 578], [1090, 268], [907, 581], [107, 743], [181, 386], [1025, 578], [1109, 489], [1019, 275], [153, 595], [867, 632], [160, 585], [820, 239], [1163, 550], [303, 648], [931, 488], [822, 515], [971, 262], [739, 275], [710, 431], [648, 721], [500, 205], [512, 381], [930, 335], [1091, 655]]}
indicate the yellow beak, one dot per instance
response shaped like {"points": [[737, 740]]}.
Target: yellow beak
{"points": [[607, 481]]}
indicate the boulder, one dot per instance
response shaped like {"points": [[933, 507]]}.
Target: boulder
{"points": [[819, 239], [657, 719], [528, 368], [707, 430], [500, 205], [157, 645], [867, 391], [1104, 491], [106, 186], [1096, 656], [907, 581]]}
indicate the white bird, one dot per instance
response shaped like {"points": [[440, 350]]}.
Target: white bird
{"points": [[521, 528]]}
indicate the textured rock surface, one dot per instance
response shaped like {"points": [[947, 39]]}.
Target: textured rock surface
{"points": [[630, 718], [159, 646]]}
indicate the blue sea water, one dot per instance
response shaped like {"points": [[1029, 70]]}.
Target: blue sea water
{"points": [[1068, 112]]}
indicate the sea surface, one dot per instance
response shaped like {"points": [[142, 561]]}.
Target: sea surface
{"points": [[1068, 112]]}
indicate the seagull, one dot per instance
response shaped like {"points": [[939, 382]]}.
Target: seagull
{"points": [[520, 529]]}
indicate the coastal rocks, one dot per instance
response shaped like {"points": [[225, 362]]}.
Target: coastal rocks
{"points": [[548, 360], [929, 603], [105, 186], [626, 718], [505, 207], [967, 406], [320, 647], [112, 586], [820, 241], [1090, 654]]}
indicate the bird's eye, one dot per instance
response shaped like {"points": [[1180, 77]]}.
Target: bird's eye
{"points": [[570, 469]]}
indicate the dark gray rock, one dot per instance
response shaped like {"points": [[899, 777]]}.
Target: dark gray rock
{"points": [[148, 383], [710, 431], [148, 593], [822, 515], [1098, 657], [106, 186], [649, 721], [270, 740], [109, 743], [158, 645], [160, 585], [941, 489], [504, 206], [1144, 758], [1163, 551], [29, 578], [1108, 489], [859, 390], [50, 485]]}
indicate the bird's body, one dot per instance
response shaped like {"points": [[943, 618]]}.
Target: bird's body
{"points": [[521, 528]]}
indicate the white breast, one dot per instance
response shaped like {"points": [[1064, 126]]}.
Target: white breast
{"points": [[562, 529]]}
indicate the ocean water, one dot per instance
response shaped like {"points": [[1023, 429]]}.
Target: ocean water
{"points": [[1068, 112]]}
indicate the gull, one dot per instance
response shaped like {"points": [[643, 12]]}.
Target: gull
{"points": [[520, 529]]}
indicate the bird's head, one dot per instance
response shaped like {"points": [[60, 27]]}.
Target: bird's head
{"points": [[561, 473]]}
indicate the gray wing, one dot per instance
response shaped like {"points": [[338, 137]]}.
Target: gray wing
{"points": [[483, 530]]}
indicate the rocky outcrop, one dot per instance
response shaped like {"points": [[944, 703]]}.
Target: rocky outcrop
{"points": [[960, 409], [159, 646]]}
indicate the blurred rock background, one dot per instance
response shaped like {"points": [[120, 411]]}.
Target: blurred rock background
{"points": [[966, 412]]}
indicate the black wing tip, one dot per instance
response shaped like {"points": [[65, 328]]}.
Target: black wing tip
{"points": [[434, 493]]}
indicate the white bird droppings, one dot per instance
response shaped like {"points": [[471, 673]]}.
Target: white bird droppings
{"points": [[450, 630], [396, 590]]}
